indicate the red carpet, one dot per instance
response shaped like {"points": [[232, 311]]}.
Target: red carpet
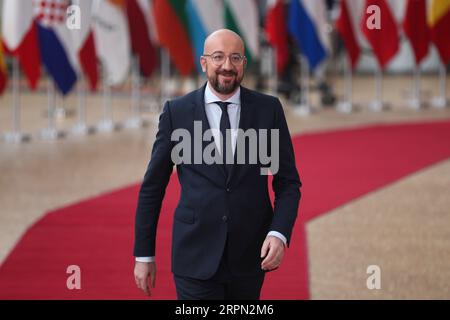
{"points": [[97, 234]]}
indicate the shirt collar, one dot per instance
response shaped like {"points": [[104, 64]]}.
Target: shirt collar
{"points": [[210, 97]]}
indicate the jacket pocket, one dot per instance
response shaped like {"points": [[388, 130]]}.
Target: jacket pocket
{"points": [[185, 215]]}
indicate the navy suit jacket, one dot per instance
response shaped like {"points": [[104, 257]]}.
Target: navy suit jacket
{"points": [[214, 210]]}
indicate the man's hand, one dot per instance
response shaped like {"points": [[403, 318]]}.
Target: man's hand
{"points": [[143, 272], [273, 251]]}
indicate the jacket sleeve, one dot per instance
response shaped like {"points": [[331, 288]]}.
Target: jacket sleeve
{"points": [[286, 182], [153, 188]]}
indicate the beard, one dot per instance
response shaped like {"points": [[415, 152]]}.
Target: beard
{"points": [[225, 87]]}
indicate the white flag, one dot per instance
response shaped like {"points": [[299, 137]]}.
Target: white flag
{"points": [[112, 40]]}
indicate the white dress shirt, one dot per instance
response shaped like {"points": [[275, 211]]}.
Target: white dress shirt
{"points": [[214, 113]]}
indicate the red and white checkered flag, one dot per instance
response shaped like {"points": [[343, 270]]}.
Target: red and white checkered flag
{"points": [[50, 12]]}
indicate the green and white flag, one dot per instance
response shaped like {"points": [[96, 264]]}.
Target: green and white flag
{"points": [[241, 16]]}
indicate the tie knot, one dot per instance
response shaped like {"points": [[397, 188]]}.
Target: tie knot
{"points": [[223, 105]]}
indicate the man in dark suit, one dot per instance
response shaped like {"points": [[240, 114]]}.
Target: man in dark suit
{"points": [[226, 234]]}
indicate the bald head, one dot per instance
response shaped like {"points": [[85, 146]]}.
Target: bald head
{"points": [[224, 40]]}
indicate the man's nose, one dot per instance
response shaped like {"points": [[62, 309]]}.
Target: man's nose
{"points": [[227, 65]]}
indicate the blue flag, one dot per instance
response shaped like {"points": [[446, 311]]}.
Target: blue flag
{"points": [[305, 23]]}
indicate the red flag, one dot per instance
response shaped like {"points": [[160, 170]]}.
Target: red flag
{"points": [[416, 28], [141, 43], [171, 23], [88, 61], [384, 38], [3, 76], [20, 37], [84, 43], [276, 32], [439, 21], [344, 26]]}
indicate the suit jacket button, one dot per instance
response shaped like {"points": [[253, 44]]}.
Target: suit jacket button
{"points": [[228, 190], [225, 218]]}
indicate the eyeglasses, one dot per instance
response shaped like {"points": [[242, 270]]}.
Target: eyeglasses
{"points": [[219, 58]]}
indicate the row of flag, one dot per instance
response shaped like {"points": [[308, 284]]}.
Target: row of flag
{"points": [[425, 22], [35, 33]]}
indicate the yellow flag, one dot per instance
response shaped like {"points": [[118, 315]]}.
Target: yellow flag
{"points": [[439, 22], [438, 9], [120, 3]]}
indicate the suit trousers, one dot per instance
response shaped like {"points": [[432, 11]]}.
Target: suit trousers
{"points": [[223, 285]]}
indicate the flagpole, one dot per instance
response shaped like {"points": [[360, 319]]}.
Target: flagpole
{"points": [[81, 128], [165, 75], [441, 101], [304, 108], [415, 101], [164, 93], [51, 132], [106, 124], [136, 120], [378, 104], [273, 87], [16, 136], [60, 109], [346, 106]]}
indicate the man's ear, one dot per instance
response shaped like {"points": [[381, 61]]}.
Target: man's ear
{"points": [[203, 63]]}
